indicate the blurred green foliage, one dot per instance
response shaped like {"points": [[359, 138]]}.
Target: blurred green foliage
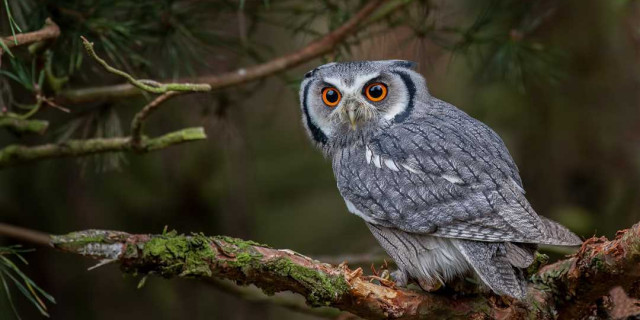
{"points": [[558, 80]]}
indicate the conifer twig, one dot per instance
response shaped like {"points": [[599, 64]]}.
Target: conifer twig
{"points": [[146, 85], [313, 50]]}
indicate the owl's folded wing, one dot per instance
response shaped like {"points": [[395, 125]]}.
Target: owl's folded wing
{"points": [[450, 176]]}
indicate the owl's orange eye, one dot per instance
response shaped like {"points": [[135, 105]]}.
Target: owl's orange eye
{"points": [[376, 91], [331, 96]]}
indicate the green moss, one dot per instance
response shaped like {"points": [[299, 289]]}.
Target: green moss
{"points": [[539, 261], [130, 251], [240, 243], [323, 288], [180, 255], [633, 245], [547, 281]]}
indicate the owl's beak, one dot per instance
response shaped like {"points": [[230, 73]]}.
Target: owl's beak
{"points": [[352, 118], [350, 110]]}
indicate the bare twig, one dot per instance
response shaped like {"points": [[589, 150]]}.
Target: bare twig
{"points": [[138, 119], [26, 235], [149, 86], [50, 30], [18, 154], [313, 50]]}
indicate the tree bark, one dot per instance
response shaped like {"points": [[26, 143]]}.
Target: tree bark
{"points": [[568, 289]]}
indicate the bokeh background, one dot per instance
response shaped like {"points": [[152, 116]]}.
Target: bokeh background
{"points": [[558, 80]]}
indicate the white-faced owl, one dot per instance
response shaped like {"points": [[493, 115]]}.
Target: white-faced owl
{"points": [[436, 187]]}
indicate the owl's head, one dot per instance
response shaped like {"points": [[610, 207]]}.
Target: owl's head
{"points": [[342, 102]]}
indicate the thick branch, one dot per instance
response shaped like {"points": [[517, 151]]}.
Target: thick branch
{"points": [[18, 154], [599, 266], [568, 288], [311, 51], [272, 270]]}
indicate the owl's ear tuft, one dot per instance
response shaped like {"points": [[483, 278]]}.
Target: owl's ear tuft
{"points": [[405, 64], [310, 73]]}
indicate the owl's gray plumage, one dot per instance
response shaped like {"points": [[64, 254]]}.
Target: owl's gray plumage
{"points": [[437, 188]]}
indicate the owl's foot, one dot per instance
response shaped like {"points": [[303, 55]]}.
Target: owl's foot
{"points": [[430, 286], [400, 277]]}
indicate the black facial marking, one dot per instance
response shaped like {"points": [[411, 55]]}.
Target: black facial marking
{"points": [[310, 73], [411, 90], [406, 64], [317, 134]]}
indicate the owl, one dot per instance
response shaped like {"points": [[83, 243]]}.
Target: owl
{"points": [[437, 188]]}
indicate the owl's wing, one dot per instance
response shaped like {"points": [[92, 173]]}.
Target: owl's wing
{"points": [[446, 174]]}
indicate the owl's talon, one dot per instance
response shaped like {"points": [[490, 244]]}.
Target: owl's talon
{"points": [[400, 278], [430, 286]]}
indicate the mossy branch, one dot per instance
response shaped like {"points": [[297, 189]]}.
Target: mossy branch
{"points": [[146, 85], [24, 125], [136, 142], [569, 287], [17, 154]]}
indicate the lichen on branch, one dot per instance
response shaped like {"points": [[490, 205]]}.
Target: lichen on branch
{"points": [[18, 154], [569, 287]]}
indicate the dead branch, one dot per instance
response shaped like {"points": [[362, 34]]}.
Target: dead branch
{"points": [[313, 50]]}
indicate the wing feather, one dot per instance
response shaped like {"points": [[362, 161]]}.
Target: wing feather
{"points": [[448, 175]]}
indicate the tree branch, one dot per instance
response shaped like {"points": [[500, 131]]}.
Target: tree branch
{"points": [[18, 154], [140, 117], [24, 125], [24, 234], [146, 85], [50, 30], [255, 295], [240, 76], [569, 288]]}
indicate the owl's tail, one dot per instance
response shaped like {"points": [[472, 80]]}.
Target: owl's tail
{"points": [[499, 265], [559, 235]]}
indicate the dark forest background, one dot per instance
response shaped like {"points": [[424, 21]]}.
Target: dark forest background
{"points": [[558, 80]]}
